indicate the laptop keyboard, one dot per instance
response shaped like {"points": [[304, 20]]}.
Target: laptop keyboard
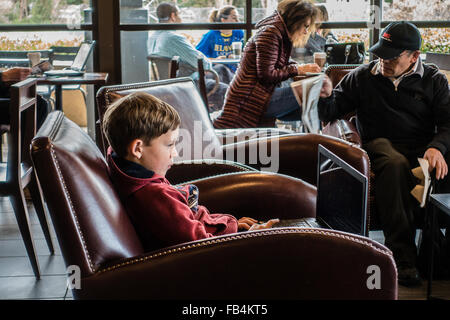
{"points": [[298, 223]]}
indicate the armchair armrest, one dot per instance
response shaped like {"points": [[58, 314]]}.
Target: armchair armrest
{"points": [[343, 129], [285, 263], [258, 195], [227, 136], [295, 155], [185, 171]]}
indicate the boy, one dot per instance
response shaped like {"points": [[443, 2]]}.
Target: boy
{"points": [[142, 132]]}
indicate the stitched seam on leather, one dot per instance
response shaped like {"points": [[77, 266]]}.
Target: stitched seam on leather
{"points": [[216, 176], [250, 235], [66, 191], [56, 127]]}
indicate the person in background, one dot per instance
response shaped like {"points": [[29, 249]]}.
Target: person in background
{"points": [[217, 43], [167, 43], [14, 75], [255, 95], [317, 40]]}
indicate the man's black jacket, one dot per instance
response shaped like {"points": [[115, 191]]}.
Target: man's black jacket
{"points": [[417, 113]]}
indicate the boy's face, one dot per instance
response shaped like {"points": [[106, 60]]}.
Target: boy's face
{"points": [[159, 154]]}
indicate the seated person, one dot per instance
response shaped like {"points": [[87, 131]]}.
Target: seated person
{"points": [[257, 94], [403, 113], [217, 43], [317, 40], [14, 75], [168, 44], [142, 132]]}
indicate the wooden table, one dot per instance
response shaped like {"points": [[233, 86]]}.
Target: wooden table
{"points": [[442, 202], [97, 79]]}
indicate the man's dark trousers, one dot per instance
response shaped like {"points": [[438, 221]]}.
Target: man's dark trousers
{"points": [[395, 206]]}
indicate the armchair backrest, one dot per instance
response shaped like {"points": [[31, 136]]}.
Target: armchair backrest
{"points": [[91, 224], [182, 94]]}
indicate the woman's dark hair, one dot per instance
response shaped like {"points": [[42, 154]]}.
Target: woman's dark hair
{"points": [[164, 10], [223, 13], [297, 12]]}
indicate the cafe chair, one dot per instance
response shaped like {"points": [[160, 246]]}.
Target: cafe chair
{"points": [[162, 68], [168, 68], [100, 244], [19, 170]]}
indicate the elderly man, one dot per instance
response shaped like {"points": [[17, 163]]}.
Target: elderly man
{"points": [[403, 112]]}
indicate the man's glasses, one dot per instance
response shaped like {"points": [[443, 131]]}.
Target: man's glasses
{"points": [[396, 58]]}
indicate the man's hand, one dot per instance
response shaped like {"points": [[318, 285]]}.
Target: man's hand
{"points": [[436, 160], [310, 67], [327, 88], [16, 74]]}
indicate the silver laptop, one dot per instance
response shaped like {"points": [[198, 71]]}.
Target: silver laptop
{"points": [[78, 64], [341, 197]]}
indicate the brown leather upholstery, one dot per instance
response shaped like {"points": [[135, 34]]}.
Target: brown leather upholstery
{"points": [[96, 234]]}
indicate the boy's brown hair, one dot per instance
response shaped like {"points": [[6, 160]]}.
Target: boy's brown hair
{"points": [[137, 116]]}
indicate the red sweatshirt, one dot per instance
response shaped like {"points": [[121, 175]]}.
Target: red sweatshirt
{"points": [[164, 215]]}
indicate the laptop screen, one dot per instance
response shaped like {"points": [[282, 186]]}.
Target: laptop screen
{"points": [[81, 58], [341, 194]]}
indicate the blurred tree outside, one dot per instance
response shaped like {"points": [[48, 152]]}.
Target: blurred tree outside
{"points": [[434, 39], [38, 11]]}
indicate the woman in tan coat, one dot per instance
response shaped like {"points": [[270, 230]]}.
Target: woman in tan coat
{"points": [[255, 97]]}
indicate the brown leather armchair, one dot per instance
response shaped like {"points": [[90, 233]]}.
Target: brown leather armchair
{"points": [[95, 234]]}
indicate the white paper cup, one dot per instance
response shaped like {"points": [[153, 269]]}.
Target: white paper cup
{"points": [[34, 57], [237, 49]]}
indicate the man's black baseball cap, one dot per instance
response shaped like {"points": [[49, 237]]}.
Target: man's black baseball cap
{"points": [[397, 37]]}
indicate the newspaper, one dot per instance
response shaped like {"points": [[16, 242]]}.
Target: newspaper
{"points": [[307, 92], [420, 191]]}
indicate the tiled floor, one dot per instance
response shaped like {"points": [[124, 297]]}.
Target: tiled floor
{"points": [[17, 280]]}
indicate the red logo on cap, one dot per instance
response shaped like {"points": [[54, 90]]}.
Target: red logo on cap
{"points": [[387, 36]]}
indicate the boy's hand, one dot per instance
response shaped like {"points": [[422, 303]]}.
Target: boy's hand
{"points": [[246, 222], [267, 225]]}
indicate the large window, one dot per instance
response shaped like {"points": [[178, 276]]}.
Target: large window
{"points": [[191, 11], [70, 12], [415, 10]]}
